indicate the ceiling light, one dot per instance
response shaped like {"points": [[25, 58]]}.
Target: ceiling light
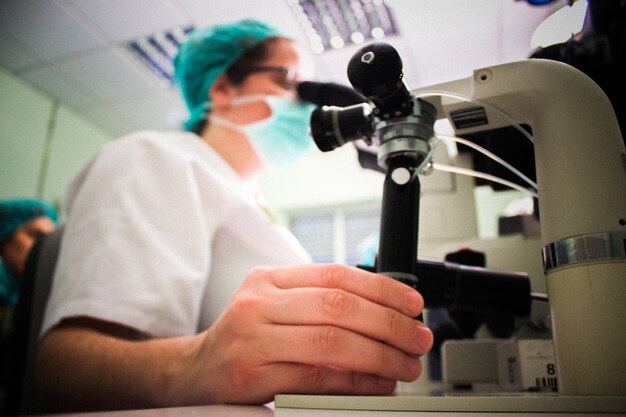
{"points": [[156, 52], [333, 24], [357, 38]]}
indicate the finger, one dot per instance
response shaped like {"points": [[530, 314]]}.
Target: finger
{"points": [[310, 379], [337, 347], [374, 287], [343, 309]]}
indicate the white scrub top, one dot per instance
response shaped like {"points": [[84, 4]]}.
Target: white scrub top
{"points": [[160, 233]]}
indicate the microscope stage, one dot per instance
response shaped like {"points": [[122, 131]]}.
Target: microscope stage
{"points": [[461, 402]]}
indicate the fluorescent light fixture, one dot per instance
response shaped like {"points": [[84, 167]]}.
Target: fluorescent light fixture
{"points": [[156, 52], [333, 24], [560, 26]]}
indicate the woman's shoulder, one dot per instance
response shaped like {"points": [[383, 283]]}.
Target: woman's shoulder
{"points": [[158, 148], [143, 153], [163, 141]]}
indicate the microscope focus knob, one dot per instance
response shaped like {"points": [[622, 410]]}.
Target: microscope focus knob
{"points": [[376, 70]]}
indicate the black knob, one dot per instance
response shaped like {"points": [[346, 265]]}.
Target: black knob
{"points": [[376, 70]]}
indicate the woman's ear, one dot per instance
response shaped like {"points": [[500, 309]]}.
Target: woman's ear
{"points": [[221, 92]]}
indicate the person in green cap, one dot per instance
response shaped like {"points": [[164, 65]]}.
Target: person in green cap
{"points": [[22, 221], [173, 286]]}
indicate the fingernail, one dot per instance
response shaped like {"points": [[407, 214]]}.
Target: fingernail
{"points": [[424, 338], [413, 302]]}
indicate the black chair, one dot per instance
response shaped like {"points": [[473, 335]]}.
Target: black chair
{"points": [[34, 291]]}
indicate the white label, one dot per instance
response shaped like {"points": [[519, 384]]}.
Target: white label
{"points": [[537, 364]]}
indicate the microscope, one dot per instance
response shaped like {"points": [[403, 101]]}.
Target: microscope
{"points": [[581, 178]]}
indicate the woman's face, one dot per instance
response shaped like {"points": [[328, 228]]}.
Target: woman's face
{"points": [[277, 75], [284, 54], [15, 249]]}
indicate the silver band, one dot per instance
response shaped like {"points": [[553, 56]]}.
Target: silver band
{"points": [[585, 248], [406, 278]]}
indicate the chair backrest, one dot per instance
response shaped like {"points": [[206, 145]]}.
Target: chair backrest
{"points": [[34, 291]]}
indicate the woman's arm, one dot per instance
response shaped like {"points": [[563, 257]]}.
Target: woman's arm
{"points": [[307, 329]]}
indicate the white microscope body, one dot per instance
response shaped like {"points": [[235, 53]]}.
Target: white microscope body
{"points": [[581, 177]]}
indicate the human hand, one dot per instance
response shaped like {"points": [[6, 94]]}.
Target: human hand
{"points": [[309, 329]]}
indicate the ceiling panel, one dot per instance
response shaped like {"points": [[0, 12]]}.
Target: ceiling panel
{"points": [[122, 20], [16, 56], [74, 49], [46, 28], [108, 74], [57, 84], [275, 12], [448, 38], [515, 27]]}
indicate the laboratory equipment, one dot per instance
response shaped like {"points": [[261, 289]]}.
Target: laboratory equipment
{"points": [[581, 177]]}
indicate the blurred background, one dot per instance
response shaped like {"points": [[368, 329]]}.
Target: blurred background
{"points": [[75, 74]]}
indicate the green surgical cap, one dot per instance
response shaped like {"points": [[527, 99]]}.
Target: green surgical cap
{"points": [[207, 53], [14, 213]]}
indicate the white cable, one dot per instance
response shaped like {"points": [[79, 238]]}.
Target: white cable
{"points": [[492, 156], [516, 125], [477, 174]]}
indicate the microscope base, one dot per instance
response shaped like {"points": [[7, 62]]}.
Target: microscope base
{"points": [[465, 402]]}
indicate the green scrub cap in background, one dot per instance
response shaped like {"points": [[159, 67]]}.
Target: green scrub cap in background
{"points": [[14, 213], [207, 53]]}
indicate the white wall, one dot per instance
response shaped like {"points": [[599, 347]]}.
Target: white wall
{"points": [[332, 179], [26, 115]]}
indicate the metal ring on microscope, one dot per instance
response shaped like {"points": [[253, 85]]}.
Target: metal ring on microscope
{"points": [[404, 277], [584, 248], [409, 146]]}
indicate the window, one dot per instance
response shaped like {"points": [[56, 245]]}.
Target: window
{"points": [[343, 235], [315, 232]]}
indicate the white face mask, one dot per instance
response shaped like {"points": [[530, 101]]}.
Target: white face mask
{"points": [[281, 138]]}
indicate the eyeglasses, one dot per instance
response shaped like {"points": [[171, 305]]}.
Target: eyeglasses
{"points": [[286, 76]]}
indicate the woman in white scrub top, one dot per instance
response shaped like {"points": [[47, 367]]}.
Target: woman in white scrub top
{"points": [[174, 287]]}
